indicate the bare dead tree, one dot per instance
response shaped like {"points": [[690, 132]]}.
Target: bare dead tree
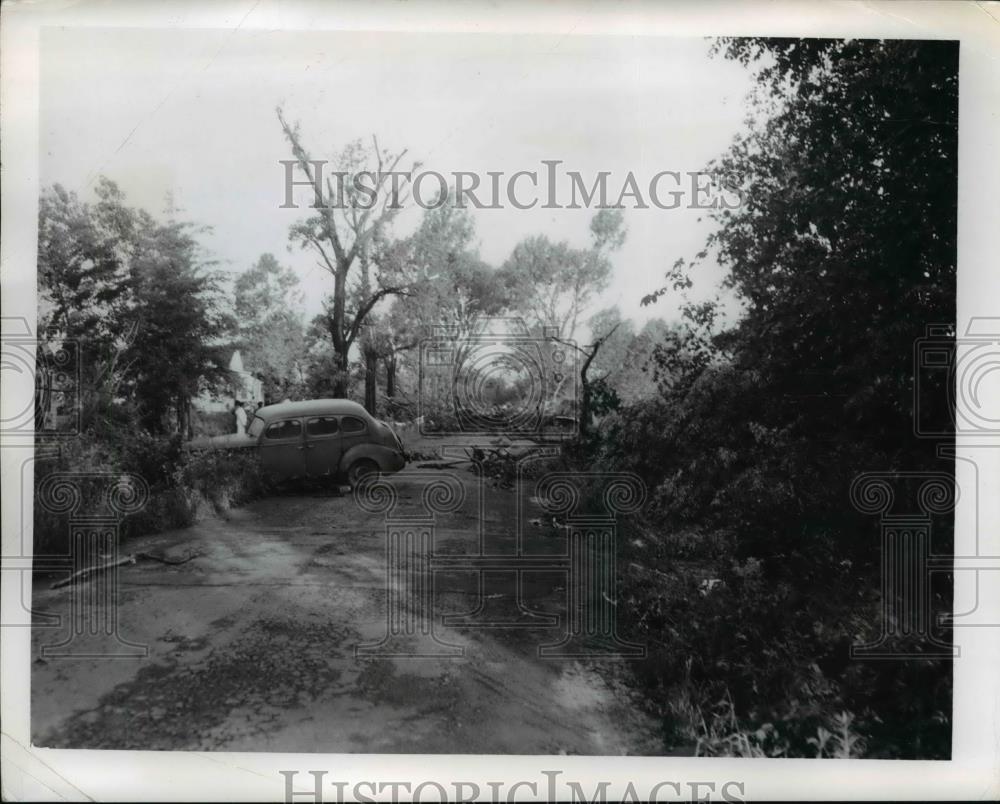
{"points": [[588, 354], [341, 232]]}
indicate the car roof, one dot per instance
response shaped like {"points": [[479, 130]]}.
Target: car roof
{"points": [[312, 407]]}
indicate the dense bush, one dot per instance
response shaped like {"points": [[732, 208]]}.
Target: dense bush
{"points": [[723, 629], [763, 574], [211, 423], [182, 486], [749, 577], [439, 418], [223, 478]]}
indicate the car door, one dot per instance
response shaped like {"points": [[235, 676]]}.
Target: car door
{"points": [[353, 430], [282, 452], [323, 445]]}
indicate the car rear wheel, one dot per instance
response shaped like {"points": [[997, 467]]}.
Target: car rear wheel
{"points": [[359, 470]]}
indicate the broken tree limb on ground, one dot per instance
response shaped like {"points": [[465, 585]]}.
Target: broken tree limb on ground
{"points": [[86, 572], [442, 464], [132, 558], [170, 561]]}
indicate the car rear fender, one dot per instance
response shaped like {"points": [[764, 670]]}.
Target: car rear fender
{"points": [[381, 455]]}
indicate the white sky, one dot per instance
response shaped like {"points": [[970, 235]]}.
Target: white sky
{"points": [[192, 113]]}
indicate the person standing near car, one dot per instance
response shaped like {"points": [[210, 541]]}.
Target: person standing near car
{"points": [[241, 417]]}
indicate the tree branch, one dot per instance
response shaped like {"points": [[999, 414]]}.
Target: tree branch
{"points": [[365, 308]]}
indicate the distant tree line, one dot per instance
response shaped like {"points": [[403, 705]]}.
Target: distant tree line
{"points": [[155, 320]]}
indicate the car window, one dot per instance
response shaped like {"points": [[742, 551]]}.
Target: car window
{"points": [[256, 427], [322, 425], [351, 424], [289, 428]]}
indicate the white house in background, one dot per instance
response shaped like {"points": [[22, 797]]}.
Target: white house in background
{"points": [[242, 385]]}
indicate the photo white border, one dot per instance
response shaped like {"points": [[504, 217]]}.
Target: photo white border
{"points": [[973, 772]]}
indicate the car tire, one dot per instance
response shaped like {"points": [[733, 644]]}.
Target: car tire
{"points": [[359, 469]]}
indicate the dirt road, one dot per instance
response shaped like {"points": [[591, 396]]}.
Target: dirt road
{"points": [[251, 646]]}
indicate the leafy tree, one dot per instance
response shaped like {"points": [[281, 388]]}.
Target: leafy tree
{"points": [[845, 247], [625, 360], [555, 283], [85, 284], [82, 266], [180, 345], [449, 285], [269, 321], [843, 250], [136, 297]]}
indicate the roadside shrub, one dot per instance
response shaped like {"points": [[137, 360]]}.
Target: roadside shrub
{"points": [[81, 455], [750, 561], [181, 484], [211, 423], [745, 661], [226, 479], [439, 418]]}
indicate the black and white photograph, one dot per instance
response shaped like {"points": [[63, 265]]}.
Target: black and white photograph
{"points": [[502, 392]]}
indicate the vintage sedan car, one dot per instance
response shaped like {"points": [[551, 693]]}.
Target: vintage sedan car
{"points": [[330, 438]]}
